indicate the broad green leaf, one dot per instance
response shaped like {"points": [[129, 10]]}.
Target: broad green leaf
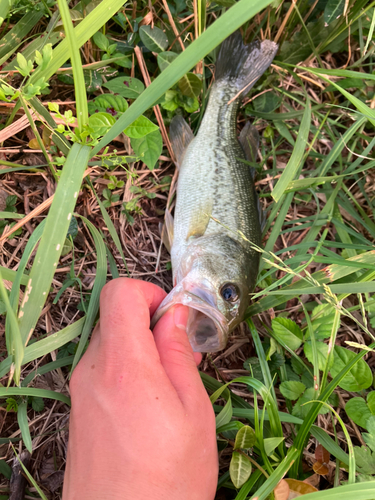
{"points": [[245, 438], [101, 40], [190, 85], [108, 103], [140, 127], [100, 123], [369, 437], [125, 86], [153, 38], [292, 390], [270, 444], [267, 102], [148, 148], [333, 10], [358, 411], [239, 469], [24, 425], [322, 350], [323, 316], [165, 59], [359, 377], [371, 401], [288, 332], [364, 459], [37, 403]]}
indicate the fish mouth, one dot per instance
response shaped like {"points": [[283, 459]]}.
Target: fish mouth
{"points": [[207, 328]]}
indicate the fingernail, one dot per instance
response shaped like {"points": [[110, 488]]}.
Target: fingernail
{"points": [[180, 316]]}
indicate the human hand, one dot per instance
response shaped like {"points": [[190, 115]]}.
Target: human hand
{"points": [[142, 425]]}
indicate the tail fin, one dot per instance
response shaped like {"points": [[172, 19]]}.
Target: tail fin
{"points": [[243, 64]]}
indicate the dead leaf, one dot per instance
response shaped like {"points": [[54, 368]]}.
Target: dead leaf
{"points": [[322, 455], [299, 488], [33, 144], [282, 490], [321, 469]]}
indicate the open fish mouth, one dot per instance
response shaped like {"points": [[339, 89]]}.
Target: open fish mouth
{"points": [[207, 328]]}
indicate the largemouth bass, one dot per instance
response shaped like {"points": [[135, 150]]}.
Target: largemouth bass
{"points": [[214, 267]]}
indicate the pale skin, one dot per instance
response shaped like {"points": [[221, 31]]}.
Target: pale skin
{"points": [[142, 426]]}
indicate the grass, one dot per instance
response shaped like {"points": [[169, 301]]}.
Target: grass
{"points": [[85, 206]]}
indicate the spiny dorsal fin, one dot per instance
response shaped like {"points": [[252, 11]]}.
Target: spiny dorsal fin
{"points": [[167, 230], [181, 136], [249, 140]]}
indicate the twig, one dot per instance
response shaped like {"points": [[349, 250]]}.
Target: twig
{"points": [[146, 78], [171, 20]]}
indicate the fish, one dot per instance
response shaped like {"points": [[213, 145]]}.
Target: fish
{"points": [[217, 211]]}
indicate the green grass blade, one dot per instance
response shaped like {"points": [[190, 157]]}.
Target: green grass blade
{"points": [[235, 17], [49, 367], [274, 479], [30, 477], [15, 345], [248, 486], [15, 36], [294, 163], [23, 424], [361, 106], [75, 58], [53, 238], [110, 226], [46, 345], [359, 491], [5, 392], [100, 278], [10, 275]]}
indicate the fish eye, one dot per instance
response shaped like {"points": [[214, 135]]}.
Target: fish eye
{"points": [[229, 292]]}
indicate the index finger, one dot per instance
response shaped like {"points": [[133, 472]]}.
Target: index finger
{"points": [[126, 306]]}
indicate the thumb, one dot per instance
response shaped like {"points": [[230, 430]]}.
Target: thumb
{"points": [[177, 356]]}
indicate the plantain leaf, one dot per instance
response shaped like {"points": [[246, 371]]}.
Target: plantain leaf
{"points": [[245, 438], [190, 85], [333, 10], [165, 59], [239, 469], [153, 38]]}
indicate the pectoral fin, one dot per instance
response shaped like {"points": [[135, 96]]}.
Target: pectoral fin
{"points": [[249, 140], [199, 220], [181, 136]]}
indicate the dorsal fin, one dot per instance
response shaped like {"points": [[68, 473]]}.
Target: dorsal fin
{"points": [[249, 140], [181, 136], [166, 230]]}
